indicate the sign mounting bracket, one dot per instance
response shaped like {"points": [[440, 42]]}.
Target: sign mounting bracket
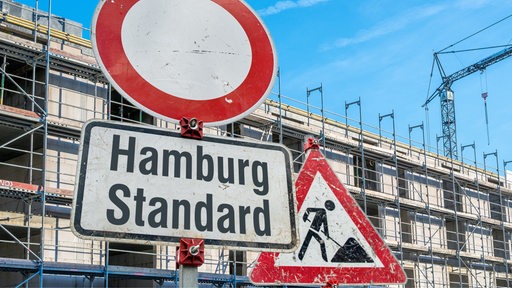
{"points": [[311, 143], [191, 128]]}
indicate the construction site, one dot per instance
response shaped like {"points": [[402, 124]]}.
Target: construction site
{"points": [[446, 217]]}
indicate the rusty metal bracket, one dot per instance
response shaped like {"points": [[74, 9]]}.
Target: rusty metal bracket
{"points": [[191, 252], [191, 128], [311, 143]]}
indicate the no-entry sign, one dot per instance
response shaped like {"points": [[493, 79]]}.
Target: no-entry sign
{"points": [[207, 59], [148, 184]]}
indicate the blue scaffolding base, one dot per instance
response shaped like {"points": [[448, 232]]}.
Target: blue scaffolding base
{"points": [[95, 274]]}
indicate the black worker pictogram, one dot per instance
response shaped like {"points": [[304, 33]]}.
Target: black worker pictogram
{"points": [[351, 251], [319, 221]]}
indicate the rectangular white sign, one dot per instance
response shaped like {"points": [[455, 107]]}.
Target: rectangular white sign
{"points": [[149, 184]]}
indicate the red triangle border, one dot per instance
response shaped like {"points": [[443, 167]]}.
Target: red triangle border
{"points": [[265, 271]]}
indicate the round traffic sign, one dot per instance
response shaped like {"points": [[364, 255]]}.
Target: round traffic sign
{"points": [[212, 60]]}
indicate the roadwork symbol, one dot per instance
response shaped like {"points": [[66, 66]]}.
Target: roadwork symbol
{"points": [[351, 251], [318, 222], [338, 245], [328, 236]]}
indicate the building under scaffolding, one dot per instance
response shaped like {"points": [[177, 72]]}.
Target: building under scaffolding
{"points": [[447, 221]]}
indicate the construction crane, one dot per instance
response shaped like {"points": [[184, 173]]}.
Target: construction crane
{"points": [[446, 95]]}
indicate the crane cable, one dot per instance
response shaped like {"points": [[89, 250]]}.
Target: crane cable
{"points": [[477, 32], [427, 118], [484, 96]]}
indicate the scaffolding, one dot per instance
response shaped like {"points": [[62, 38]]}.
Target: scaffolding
{"points": [[447, 221]]}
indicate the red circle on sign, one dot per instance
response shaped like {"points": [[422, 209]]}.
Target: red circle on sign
{"points": [[108, 46]]}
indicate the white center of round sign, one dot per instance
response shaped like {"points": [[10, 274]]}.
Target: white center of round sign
{"points": [[193, 49]]}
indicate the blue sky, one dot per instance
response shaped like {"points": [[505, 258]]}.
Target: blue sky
{"points": [[382, 51]]}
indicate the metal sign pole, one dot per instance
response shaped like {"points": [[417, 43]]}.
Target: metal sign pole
{"points": [[191, 251], [188, 277], [190, 255]]}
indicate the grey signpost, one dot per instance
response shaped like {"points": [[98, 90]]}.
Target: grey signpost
{"points": [[146, 184]]}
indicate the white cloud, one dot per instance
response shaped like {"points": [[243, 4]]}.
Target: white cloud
{"points": [[472, 4], [386, 27], [288, 4]]}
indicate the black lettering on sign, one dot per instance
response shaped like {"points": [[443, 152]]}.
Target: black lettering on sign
{"points": [[149, 165], [230, 178], [209, 165], [129, 153], [160, 212], [123, 208], [176, 204], [182, 165], [226, 222], [207, 207], [262, 213], [182, 214], [139, 200], [177, 163], [260, 169]]}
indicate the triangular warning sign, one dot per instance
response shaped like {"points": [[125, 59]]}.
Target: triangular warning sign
{"points": [[338, 244]]}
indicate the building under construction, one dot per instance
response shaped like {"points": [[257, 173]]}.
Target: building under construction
{"points": [[447, 221]]}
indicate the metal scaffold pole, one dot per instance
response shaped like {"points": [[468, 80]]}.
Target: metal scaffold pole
{"points": [[479, 209], [361, 148], [4, 64], [501, 212], [45, 145], [455, 209], [280, 107], [107, 260], [36, 20], [397, 181], [308, 93], [427, 192]]}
